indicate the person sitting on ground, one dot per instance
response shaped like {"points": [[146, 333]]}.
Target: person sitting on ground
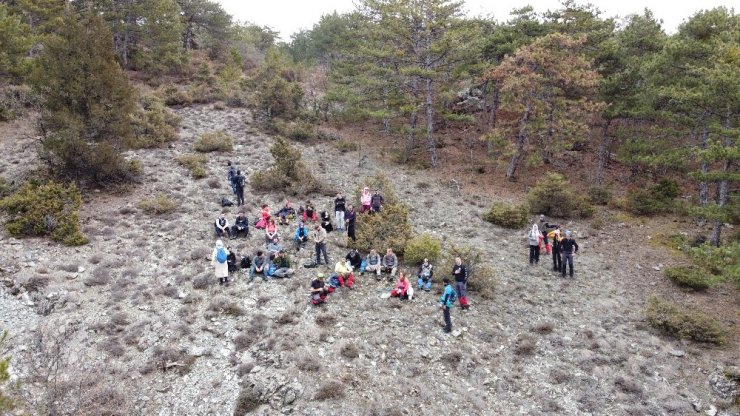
{"points": [[426, 271], [271, 230], [231, 260], [264, 216], [390, 263], [355, 259], [286, 213], [376, 202], [241, 225], [318, 290], [282, 265], [301, 236], [274, 247], [260, 265], [326, 222], [365, 200], [402, 287], [373, 262], [222, 226], [309, 212], [343, 269]]}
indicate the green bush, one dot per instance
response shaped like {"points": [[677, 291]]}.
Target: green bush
{"points": [[658, 199], [723, 261], [388, 229], [380, 182], [214, 141], [158, 205], [154, 125], [553, 197], [690, 277], [345, 146], [684, 323], [172, 95], [299, 131], [195, 163], [4, 188], [599, 196], [482, 279], [421, 247], [288, 174], [507, 216], [51, 209]]}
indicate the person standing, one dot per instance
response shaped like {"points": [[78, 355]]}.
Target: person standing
{"points": [[349, 220], [231, 176], [534, 244], [545, 227], [376, 202], [219, 261], [568, 247], [365, 200], [239, 182], [460, 273], [339, 208], [319, 238], [556, 261], [447, 300]]}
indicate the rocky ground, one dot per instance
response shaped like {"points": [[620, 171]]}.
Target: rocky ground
{"points": [[137, 309]]}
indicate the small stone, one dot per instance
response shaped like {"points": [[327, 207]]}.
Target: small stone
{"points": [[456, 333], [256, 369], [80, 269], [677, 353], [697, 406], [639, 267], [656, 268], [712, 411]]}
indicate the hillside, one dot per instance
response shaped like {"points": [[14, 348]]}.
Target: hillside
{"points": [[143, 328]]}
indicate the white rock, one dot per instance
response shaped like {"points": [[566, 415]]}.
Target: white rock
{"points": [[712, 411]]}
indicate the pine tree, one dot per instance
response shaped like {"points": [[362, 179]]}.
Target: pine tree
{"points": [[15, 43]]}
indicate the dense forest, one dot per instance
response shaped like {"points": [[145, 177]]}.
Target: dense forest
{"points": [[657, 113]]}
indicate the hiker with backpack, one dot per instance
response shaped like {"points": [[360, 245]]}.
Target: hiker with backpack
{"points": [[260, 265], [556, 261], [349, 221], [221, 226], [231, 175], [241, 225], [301, 236], [219, 260], [447, 300], [339, 208], [534, 238], [460, 273], [239, 182], [425, 273], [568, 247]]}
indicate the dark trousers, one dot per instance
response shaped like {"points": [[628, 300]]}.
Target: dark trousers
{"points": [[534, 254], [235, 230], [239, 195], [556, 263], [321, 248], [567, 261], [351, 230], [447, 318]]}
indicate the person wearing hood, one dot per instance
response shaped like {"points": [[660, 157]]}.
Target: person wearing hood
{"points": [[534, 238], [365, 200], [301, 236], [219, 261]]}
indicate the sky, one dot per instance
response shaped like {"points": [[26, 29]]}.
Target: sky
{"points": [[290, 16]]}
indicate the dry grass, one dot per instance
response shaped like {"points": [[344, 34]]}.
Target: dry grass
{"points": [[100, 276], [543, 328], [350, 351], [215, 141], [525, 346], [330, 390], [158, 205]]}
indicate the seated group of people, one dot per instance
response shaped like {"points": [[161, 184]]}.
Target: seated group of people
{"points": [[222, 228]]}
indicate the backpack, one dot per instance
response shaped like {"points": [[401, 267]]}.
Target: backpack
{"points": [[240, 181], [225, 202], [245, 263], [221, 255]]}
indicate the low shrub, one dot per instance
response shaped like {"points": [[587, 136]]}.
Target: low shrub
{"points": [[350, 351], [172, 95], [289, 174], [345, 146], [554, 197], [388, 229], [690, 277], [599, 196], [16, 101], [421, 247], [684, 323], [482, 278], [51, 209], [214, 141], [195, 163], [507, 215], [330, 390], [154, 124], [658, 199], [5, 189], [723, 261], [248, 401], [158, 205], [299, 131]]}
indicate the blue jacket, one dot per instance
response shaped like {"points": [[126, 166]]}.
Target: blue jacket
{"points": [[299, 234], [446, 296]]}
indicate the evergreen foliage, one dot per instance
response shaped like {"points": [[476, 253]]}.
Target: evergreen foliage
{"points": [[154, 124], [6, 403], [195, 163], [482, 278], [507, 215], [214, 141], [554, 197], [289, 174], [277, 91], [684, 323], [421, 247], [51, 209]]}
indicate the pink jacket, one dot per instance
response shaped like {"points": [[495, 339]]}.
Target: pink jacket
{"points": [[366, 196]]}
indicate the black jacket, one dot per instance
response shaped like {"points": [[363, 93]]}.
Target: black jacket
{"points": [[568, 246]]}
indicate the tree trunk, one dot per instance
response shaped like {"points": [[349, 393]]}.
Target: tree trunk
{"points": [[703, 185], [603, 152], [545, 151], [521, 140], [493, 117], [430, 123], [187, 38], [411, 141], [724, 185]]}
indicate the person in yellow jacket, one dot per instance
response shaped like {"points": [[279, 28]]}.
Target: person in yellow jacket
{"points": [[555, 238], [343, 269]]}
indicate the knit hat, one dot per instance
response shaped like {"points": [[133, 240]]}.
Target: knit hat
{"points": [[320, 275], [568, 233], [219, 244]]}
